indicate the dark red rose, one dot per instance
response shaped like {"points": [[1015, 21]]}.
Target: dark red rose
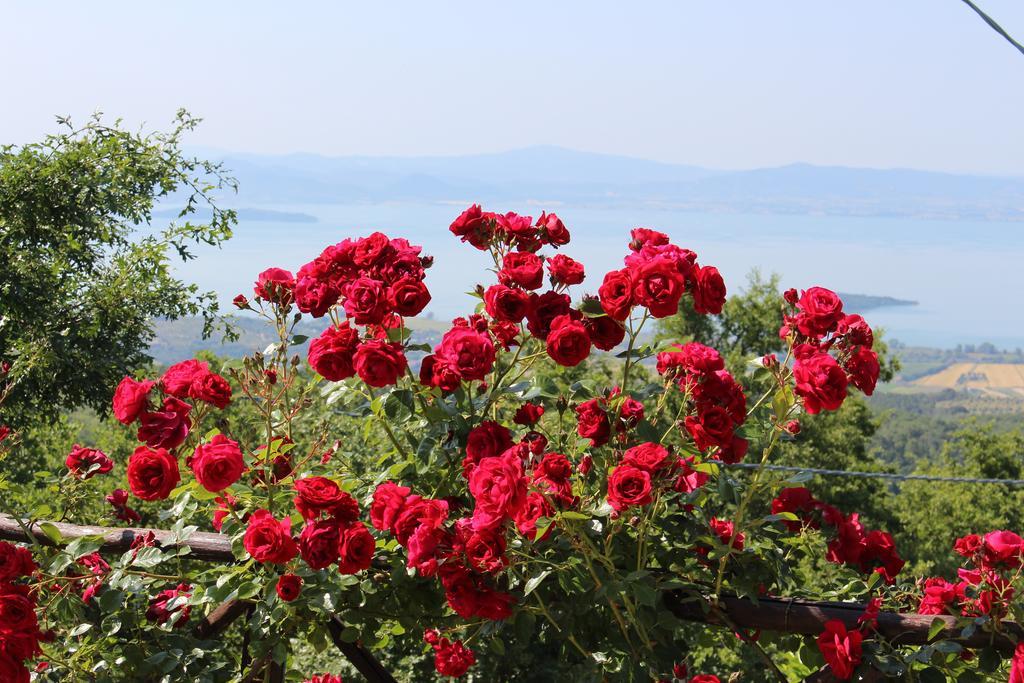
{"points": [[820, 311], [371, 251], [616, 293], [552, 230], [276, 285], [211, 388], [178, 379], [473, 227], [81, 461], [15, 562], [568, 341], [631, 411], [408, 296], [167, 427], [528, 414], [592, 423], [379, 363], [643, 237], [1002, 549], [318, 543], [366, 300], [708, 290], [452, 659], [499, 489], [856, 330], [523, 269], [650, 457], [820, 382], [628, 486], [466, 352], [726, 532], [486, 440], [320, 495], [355, 548], [543, 309], [565, 271], [388, 501], [332, 353], [506, 304], [516, 226], [658, 286], [315, 296], [711, 427], [131, 398], [152, 474], [605, 332], [862, 367], [217, 464], [289, 586], [269, 540], [159, 611], [840, 648]]}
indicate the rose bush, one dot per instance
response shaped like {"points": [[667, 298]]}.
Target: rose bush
{"points": [[513, 507]]}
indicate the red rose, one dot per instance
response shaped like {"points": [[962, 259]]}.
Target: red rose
{"points": [[650, 457], [486, 440], [452, 658], [605, 332], [565, 271], [1017, 664], [616, 293], [13, 670], [712, 426], [631, 411], [366, 300], [658, 286], [528, 414], [15, 562], [692, 357], [370, 251], [1003, 549], [535, 507], [705, 678], [516, 226], [211, 388], [473, 227], [466, 352], [726, 532], [840, 648], [318, 495], [968, 546], [708, 290], [506, 304], [523, 269], [568, 342], [275, 284], [408, 296], [159, 612], [388, 501], [152, 474], [318, 543], [288, 587], [331, 354], [499, 489], [820, 310], [217, 464], [131, 398], [592, 423], [552, 230], [856, 330], [168, 427], [17, 610], [862, 367], [628, 486], [379, 363], [81, 461], [820, 382], [177, 381], [543, 309], [642, 237], [269, 540], [355, 548], [325, 678], [315, 296], [485, 551]]}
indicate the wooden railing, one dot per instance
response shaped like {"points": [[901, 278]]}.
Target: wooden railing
{"points": [[769, 614]]}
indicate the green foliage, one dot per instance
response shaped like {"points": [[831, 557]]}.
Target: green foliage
{"points": [[85, 269]]}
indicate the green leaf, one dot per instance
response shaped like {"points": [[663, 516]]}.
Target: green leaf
{"points": [[938, 625], [534, 582], [52, 532]]}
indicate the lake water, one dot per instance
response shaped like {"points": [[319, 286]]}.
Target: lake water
{"points": [[967, 276]]}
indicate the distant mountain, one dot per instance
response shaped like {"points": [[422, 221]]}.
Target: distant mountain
{"points": [[554, 174], [859, 303]]}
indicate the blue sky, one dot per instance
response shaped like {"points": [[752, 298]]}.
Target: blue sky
{"points": [[882, 83]]}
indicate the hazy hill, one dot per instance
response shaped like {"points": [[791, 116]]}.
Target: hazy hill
{"points": [[554, 174]]}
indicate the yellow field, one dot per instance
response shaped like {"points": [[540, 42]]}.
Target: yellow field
{"points": [[983, 376]]}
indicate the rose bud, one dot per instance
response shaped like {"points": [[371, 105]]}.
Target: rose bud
{"points": [[793, 427], [791, 296], [586, 463], [271, 376], [770, 360], [240, 302]]}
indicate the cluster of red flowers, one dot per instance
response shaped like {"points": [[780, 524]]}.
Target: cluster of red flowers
{"points": [[171, 604], [19, 627], [325, 678], [841, 648], [646, 468], [375, 281], [817, 326], [153, 468], [451, 657], [486, 230], [984, 586], [717, 404], [852, 545], [332, 533]]}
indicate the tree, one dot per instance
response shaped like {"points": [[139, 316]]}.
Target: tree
{"points": [[86, 268]]}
